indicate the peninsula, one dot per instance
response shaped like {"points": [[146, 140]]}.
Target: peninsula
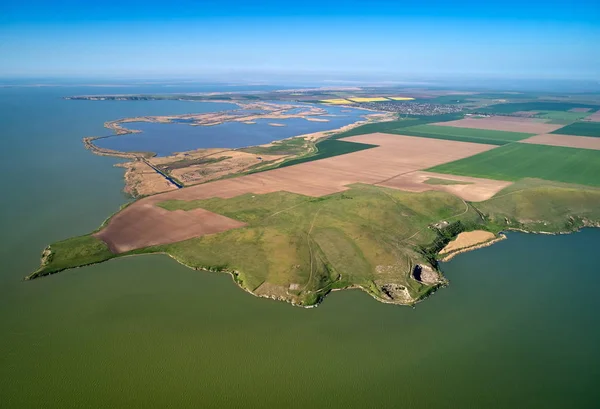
{"points": [[376, 205]]}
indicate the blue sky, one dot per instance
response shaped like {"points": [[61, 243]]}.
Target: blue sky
{"points": [[391, 40]]}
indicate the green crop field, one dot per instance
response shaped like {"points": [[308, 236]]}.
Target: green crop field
{"points": [[562, 117], [517, 161], [463, 134], [581, 129], [401, 122], [509, 108]]}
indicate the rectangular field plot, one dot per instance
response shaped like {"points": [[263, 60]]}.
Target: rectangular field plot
{"points": [[512, 107], [581, 129], [486, 136], [563, 117], [517, 161]]}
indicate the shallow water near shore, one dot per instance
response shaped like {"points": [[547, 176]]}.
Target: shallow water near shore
{"points": [[517, 327], [166, 139]]}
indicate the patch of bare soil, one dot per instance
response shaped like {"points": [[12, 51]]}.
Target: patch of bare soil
{"points": [[142, 180], [571, 141], [468, 239], [504, 123], [473, 189]]}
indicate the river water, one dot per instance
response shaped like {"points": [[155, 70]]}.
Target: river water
{"points": [[517, 327]]}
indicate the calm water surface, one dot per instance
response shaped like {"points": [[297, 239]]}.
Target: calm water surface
{"points": [[166, 139], [517, 328]]}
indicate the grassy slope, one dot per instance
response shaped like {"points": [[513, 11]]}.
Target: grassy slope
{"points": [[581, 129], [351, 233], [517, 161], [538, 205], [367, 236], [463, 134], [74, 252]]}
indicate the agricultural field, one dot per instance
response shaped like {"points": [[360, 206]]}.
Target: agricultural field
{"points": [[336, 101], [464, 134], [581, 129], [516, 161], [561, 117], [327, 149], [368, 99], [512, 107]]}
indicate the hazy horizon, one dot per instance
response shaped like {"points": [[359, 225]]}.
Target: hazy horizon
{"points": [[336, 40]]}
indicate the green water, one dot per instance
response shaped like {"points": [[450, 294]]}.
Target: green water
{"points": [[517, 328]]}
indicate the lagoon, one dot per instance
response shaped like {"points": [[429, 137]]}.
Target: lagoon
{"points": [[166, 139]]}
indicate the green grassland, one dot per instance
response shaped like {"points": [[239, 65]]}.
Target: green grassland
{"points": [[581, 129], [543, 206], [297, 248], [517, 161], [71, 253], [300, 248], [562, 117], [291, 146], [463, 134]]}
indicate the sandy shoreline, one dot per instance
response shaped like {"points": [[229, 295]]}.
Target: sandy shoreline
{"points": [[455, 253]]}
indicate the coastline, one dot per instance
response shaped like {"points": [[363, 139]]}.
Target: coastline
{"points": [[450, 256]]}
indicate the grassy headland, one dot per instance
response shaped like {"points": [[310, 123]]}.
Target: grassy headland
{"points": [[298, 249]]}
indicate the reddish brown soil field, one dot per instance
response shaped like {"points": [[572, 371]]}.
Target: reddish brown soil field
{"points": [[580, 109], [473, 190], [142, 223], [148, 225], [504, 123], [571, 141]]}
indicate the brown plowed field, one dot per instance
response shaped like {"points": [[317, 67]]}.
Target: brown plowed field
{"points": [[504, 123], [143, 224], [473, 190], [571, 141], [580, 109]]}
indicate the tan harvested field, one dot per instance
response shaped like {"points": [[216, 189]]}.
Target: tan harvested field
{"points": [[142, 223], [504, 123], [468, 239], [580, 109], [142, 180], [473, 190], [595, 117], [571, 141]]}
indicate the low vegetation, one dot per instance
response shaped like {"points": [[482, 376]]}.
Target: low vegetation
{"points": [[581, 129], [297, 248], [464, 134], [512, 107], [517, 161]]}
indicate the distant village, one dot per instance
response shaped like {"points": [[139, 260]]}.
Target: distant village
{"points": [[411, 108]]}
